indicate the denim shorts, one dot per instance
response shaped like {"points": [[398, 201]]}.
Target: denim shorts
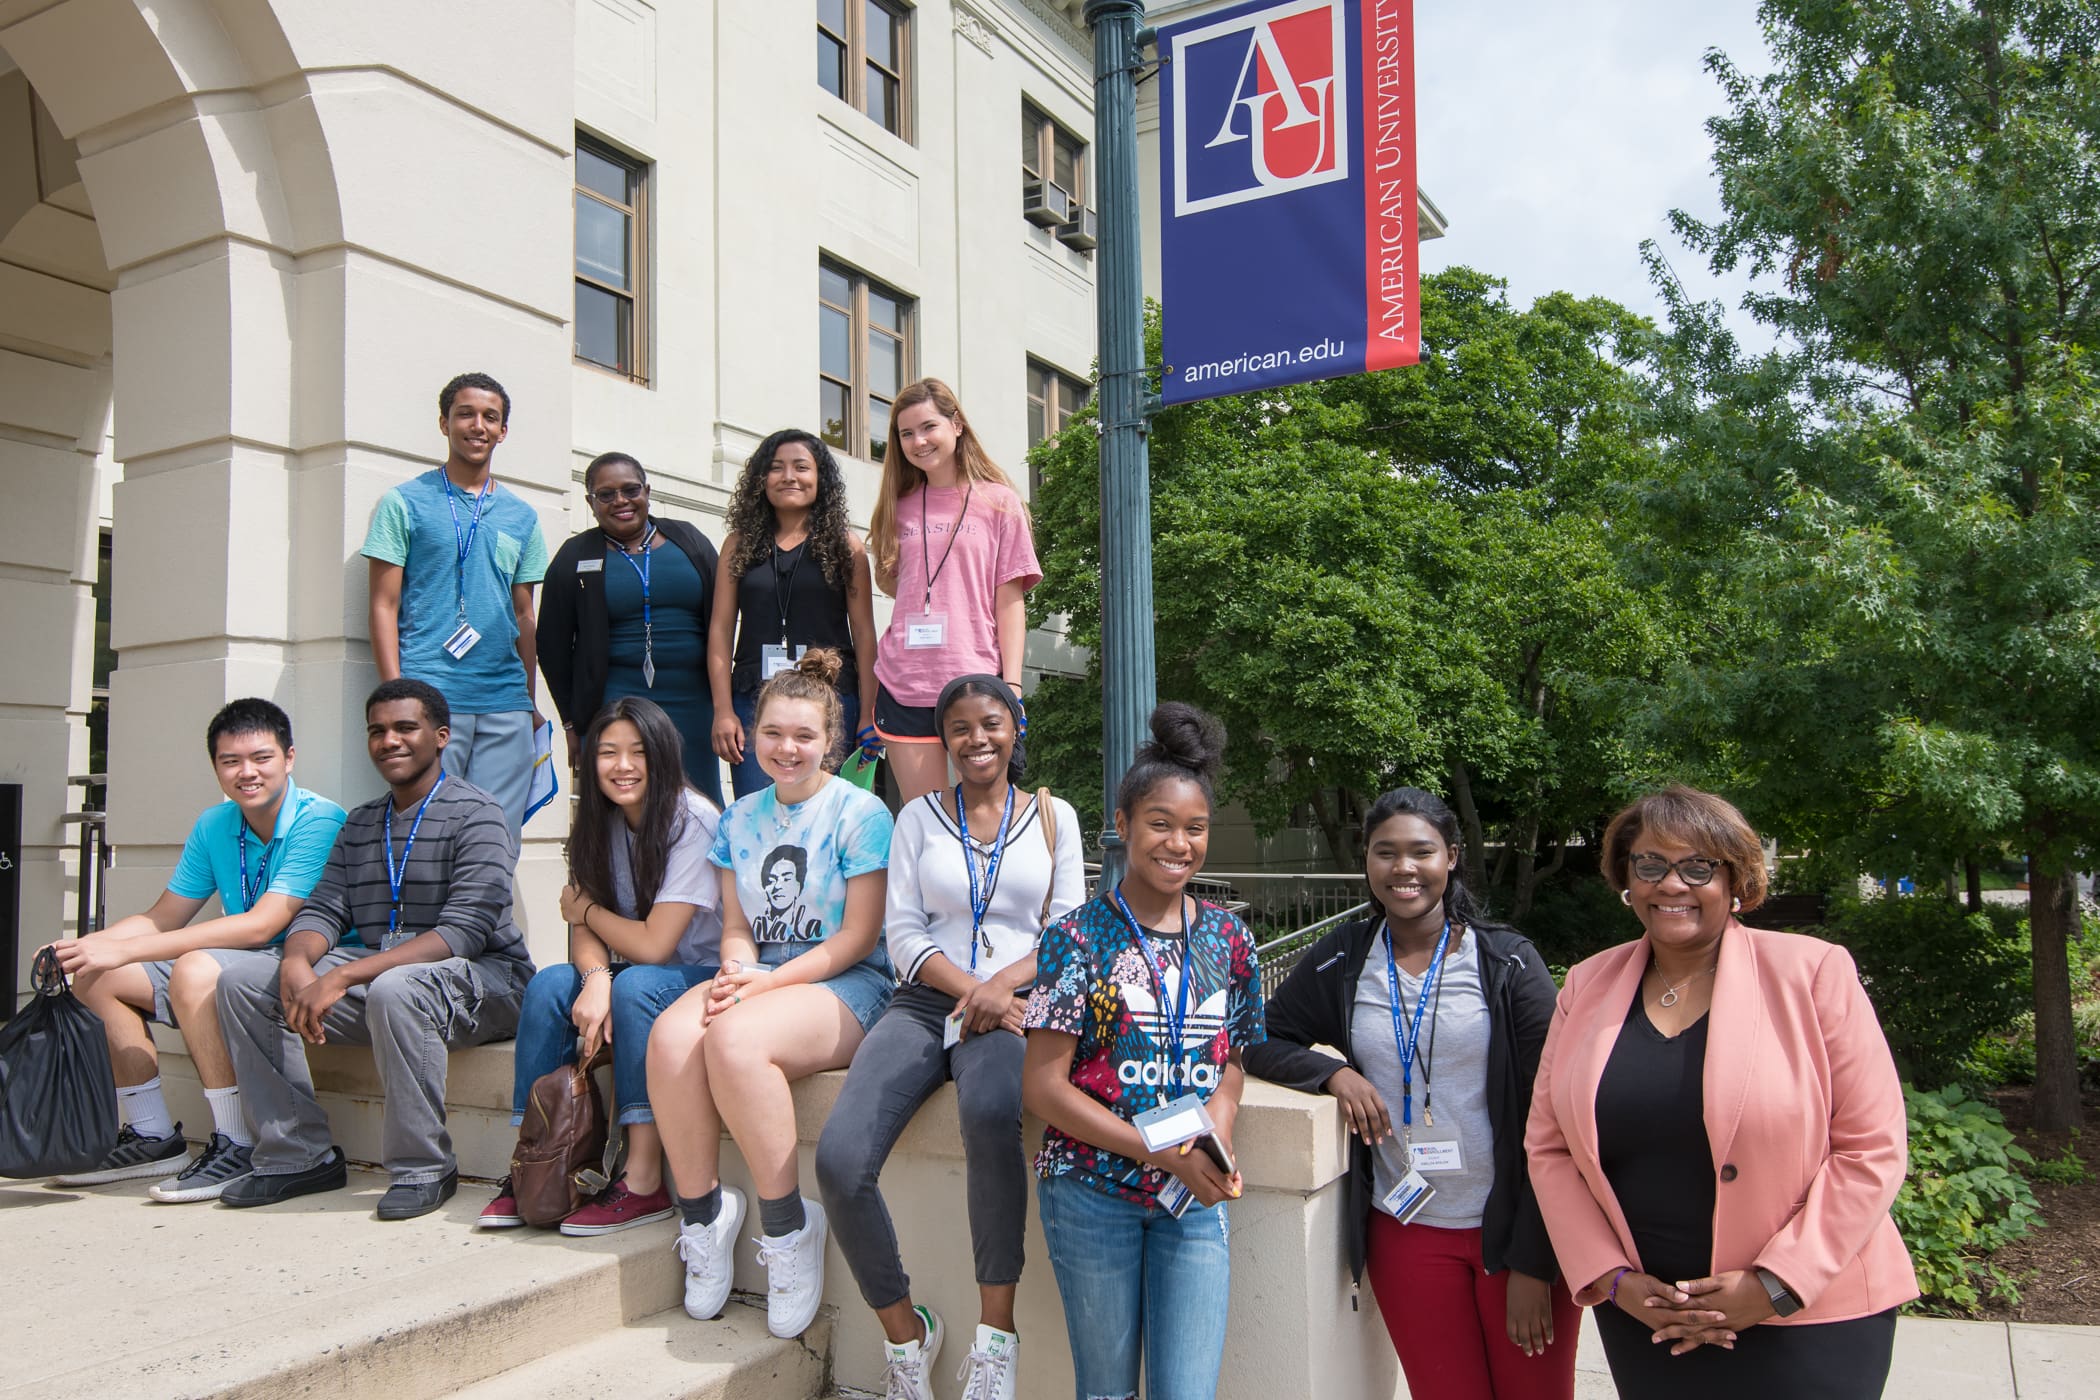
{"points": [[866, 987]]}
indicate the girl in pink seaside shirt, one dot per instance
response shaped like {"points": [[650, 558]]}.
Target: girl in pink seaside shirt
{"points": [[950, 542]]}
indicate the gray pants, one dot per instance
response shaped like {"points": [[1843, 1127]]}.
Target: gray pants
{"points": [[494, 753], [410, 1016], [897, 1069]]}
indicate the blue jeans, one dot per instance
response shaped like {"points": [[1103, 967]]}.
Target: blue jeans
{"points": [[747, 777], [547, 1037], [1133, 1277]]}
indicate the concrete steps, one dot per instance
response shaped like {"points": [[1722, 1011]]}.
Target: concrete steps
{"points": [[119, 1297], [668, 1356]]}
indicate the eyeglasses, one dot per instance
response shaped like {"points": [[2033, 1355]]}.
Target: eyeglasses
{"points": [[1693, 870], [626, 491]]}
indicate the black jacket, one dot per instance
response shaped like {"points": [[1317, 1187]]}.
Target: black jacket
{"points": [[574, 625], [1314, 1006]]}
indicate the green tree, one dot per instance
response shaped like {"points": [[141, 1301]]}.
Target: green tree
{"points": [[1901, 496], [1401, 577]]}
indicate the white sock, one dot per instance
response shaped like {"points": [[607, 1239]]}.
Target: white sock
{"points": [[145, 1110], [226, 1116]]}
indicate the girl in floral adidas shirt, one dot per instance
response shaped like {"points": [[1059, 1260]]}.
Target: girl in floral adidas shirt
{"points": [[1145, 998]]}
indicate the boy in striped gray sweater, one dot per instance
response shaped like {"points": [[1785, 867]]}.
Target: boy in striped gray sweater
{"points": [[406, 945]]}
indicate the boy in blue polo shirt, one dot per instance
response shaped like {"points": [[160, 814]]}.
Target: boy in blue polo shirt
{"points": [[261, 852], [453, 561]]}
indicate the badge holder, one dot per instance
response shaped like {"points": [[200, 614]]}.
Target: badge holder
{"points": [[1172, 1124], [952, 1029], [1406, 1200], [926, 630], [774, 657], [461, 642]]}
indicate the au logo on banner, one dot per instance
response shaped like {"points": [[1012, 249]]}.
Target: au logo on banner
{"points": [[1275, 85], [1288, 236]]}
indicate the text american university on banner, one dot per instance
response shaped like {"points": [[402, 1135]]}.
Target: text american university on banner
{"points": [[1288, 233]]}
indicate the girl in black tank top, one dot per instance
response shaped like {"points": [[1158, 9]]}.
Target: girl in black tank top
{"points": [[793, 575]]}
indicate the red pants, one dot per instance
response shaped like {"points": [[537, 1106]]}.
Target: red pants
{"points": [[1448, 1318]]}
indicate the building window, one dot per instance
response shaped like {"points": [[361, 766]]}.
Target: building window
{"points": [[1053, 397], [862, 48], [610, 309], [1053, 179], [865, 357]]}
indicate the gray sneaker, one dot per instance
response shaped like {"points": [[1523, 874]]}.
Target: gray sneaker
{"points": [[222, 1162], [133, 1156]]}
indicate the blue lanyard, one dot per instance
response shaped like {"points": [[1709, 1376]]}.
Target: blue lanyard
{"points": [[1406, 1042], [396, 874], [262, 875], [980, 904], [466, 541], [1158, 965], [641, 571]]}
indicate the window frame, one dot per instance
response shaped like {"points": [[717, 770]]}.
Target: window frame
{"points": [[637, 294], [859, 427], [1045, 380], [855, 43], [1046, 130]]}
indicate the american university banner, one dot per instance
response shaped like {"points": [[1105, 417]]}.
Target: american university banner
{"points": [[1287, 228]]}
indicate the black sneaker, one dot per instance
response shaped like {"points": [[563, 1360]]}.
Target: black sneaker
{"points": [[222, 1162], [406, 1200], [133, 1156], [331, 1173]]}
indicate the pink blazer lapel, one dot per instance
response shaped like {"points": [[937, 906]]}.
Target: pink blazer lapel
{"points": [[1736, 1025]]}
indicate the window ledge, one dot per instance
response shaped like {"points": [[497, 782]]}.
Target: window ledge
{"points": [[857, 126]]}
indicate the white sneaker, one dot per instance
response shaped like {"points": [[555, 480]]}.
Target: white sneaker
{"points": [[906, 1363], [795, 1274], [709, 1252], [988, 1371]]}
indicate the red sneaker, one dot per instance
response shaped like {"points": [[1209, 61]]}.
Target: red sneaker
{"points": [[501, 1213], [619, 1209]]}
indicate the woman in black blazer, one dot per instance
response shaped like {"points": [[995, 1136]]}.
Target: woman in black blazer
{"points": [[1437, 1079], [623, 615]]}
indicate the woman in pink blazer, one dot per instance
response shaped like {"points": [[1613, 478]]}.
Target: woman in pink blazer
{"points": [[1717, 1132]]}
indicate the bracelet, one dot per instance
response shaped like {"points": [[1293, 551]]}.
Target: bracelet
{"points": [[591, 972], [1613, 1296], [586, 919]]}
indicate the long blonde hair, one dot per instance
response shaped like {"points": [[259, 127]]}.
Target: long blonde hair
{"points": [[900, 478]]}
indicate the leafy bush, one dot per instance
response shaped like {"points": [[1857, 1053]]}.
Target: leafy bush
{"points": [[1964, 1198], [1940, 978], [2007, 1056], [1571, 919], [2066, 1168]]}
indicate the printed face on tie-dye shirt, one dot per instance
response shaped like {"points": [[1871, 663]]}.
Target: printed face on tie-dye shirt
{"points": [[1092, 982], [792, 863]]}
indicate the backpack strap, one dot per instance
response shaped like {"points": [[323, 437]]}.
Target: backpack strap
{"points": [[1047, 815]]}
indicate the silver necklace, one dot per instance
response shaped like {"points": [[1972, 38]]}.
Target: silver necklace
{"points": [[1669, 997]]}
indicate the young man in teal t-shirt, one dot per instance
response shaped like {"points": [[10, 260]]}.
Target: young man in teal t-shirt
{"points": [[454, 558], [261, 852]]}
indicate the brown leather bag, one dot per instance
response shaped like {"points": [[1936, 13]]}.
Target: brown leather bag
{"points": [[559, 1161]]}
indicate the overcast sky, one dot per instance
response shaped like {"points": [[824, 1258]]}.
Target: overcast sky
{"points": [[1556, 137]]}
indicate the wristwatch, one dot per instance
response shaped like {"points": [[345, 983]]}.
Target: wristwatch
{"points": [[1784, 1303]]}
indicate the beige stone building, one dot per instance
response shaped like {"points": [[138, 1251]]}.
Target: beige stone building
{"points": [[243, 242]]}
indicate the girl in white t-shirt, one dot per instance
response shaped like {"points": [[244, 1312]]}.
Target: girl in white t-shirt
{"points": [[643, 909], [950, 542]]}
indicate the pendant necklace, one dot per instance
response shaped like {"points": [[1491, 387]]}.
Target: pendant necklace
{"points": [[1669, 997]]}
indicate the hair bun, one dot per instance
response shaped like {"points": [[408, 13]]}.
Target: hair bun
{"points": [[823, 664], [1185, 737]]}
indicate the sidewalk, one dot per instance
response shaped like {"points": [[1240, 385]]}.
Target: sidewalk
{"points": [[1939, 1359]]}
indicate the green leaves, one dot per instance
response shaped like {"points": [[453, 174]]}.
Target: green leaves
{"points": [[1963, 1197]]}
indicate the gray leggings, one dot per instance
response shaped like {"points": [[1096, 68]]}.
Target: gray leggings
{"points": [[897, 1068]]}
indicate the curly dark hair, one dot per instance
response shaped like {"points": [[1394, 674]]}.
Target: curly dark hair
{"points": [[750, 514]]}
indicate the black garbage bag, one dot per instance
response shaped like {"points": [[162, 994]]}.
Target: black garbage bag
{"points": [[58, 1101]]}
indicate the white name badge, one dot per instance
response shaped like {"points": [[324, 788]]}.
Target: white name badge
{"points": [[1426, 1157], [1172, 1124], [952, 1030], [926, 630], [461, 642], [1174, 1198], [1406, 1200], [590, 566], [774, 659]]}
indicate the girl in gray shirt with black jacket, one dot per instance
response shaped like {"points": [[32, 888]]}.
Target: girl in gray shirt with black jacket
{"points": [[1436, 1090]]}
